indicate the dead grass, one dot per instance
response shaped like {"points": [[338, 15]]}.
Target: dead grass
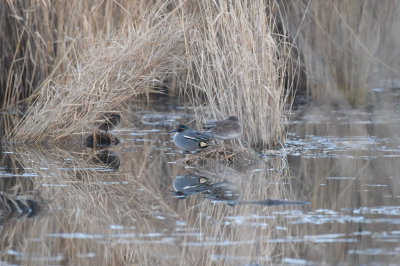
{"points": [[227, 52], [128, 63], [344, 46], [41, 40], [240, 65]]}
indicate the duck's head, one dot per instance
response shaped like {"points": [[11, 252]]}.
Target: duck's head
{"points": [[179, 128], [233, 119]]}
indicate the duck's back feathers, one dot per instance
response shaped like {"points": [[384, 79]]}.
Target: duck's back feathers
{"points": [[225, 129]]}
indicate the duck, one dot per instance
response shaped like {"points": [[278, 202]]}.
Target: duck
{"points": [[227, 129], [111, 121], [190, 139]]}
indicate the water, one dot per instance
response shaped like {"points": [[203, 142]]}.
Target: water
{"points": [[114, 206]]}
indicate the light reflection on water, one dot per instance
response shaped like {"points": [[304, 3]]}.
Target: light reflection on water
{"points": [[344, 164]]}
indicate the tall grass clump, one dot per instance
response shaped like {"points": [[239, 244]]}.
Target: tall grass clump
{"points": [[228, 52], [344, 45], [41, 38], [129, 62], [238, 62]]}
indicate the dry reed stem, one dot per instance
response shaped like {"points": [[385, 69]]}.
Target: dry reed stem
{"points": [[239, 64], [40, 40], [233, 58], [344, 45], [129, 63]]}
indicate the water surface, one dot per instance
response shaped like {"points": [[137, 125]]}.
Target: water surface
{"points": [[114, 206]]}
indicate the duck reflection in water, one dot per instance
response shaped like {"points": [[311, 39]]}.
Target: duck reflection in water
{"points": [[21, 207], [189, 184], [225, 191], [101, 139]]}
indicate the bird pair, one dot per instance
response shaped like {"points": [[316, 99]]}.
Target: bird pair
{"points": [[190, 184], [190, 139]]}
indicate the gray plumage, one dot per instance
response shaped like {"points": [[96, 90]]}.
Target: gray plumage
{"points": [[190, 139], [225, 129]]}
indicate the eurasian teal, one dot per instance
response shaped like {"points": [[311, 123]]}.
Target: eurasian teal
{"points": [[111, 121], [190, 139], [225, 129]]}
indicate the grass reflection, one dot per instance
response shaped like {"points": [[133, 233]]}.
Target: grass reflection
{"points": [[128, 216]]}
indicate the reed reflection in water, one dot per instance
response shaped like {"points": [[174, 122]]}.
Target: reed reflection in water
{"points": [[347, 164], [113, 205], [108, 215]]}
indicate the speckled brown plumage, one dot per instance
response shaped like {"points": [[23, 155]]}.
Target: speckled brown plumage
{"points": [[225, 129]]}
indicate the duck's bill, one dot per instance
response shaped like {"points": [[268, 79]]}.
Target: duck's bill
{"points": [[172, 131]]}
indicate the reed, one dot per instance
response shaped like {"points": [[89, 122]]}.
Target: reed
{"points": [[240, 65], [41, 40], [237, 63], [344, 46], [130, 62]]}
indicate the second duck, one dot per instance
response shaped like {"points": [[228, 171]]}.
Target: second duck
{"points": [[225, 129]]}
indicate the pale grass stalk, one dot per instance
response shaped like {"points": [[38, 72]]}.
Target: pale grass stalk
{"points": [[128, 63], [40, 40], [345, 46], [240, 65]]}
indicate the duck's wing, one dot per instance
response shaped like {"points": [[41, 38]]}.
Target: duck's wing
{"points": [[198, 136]]}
